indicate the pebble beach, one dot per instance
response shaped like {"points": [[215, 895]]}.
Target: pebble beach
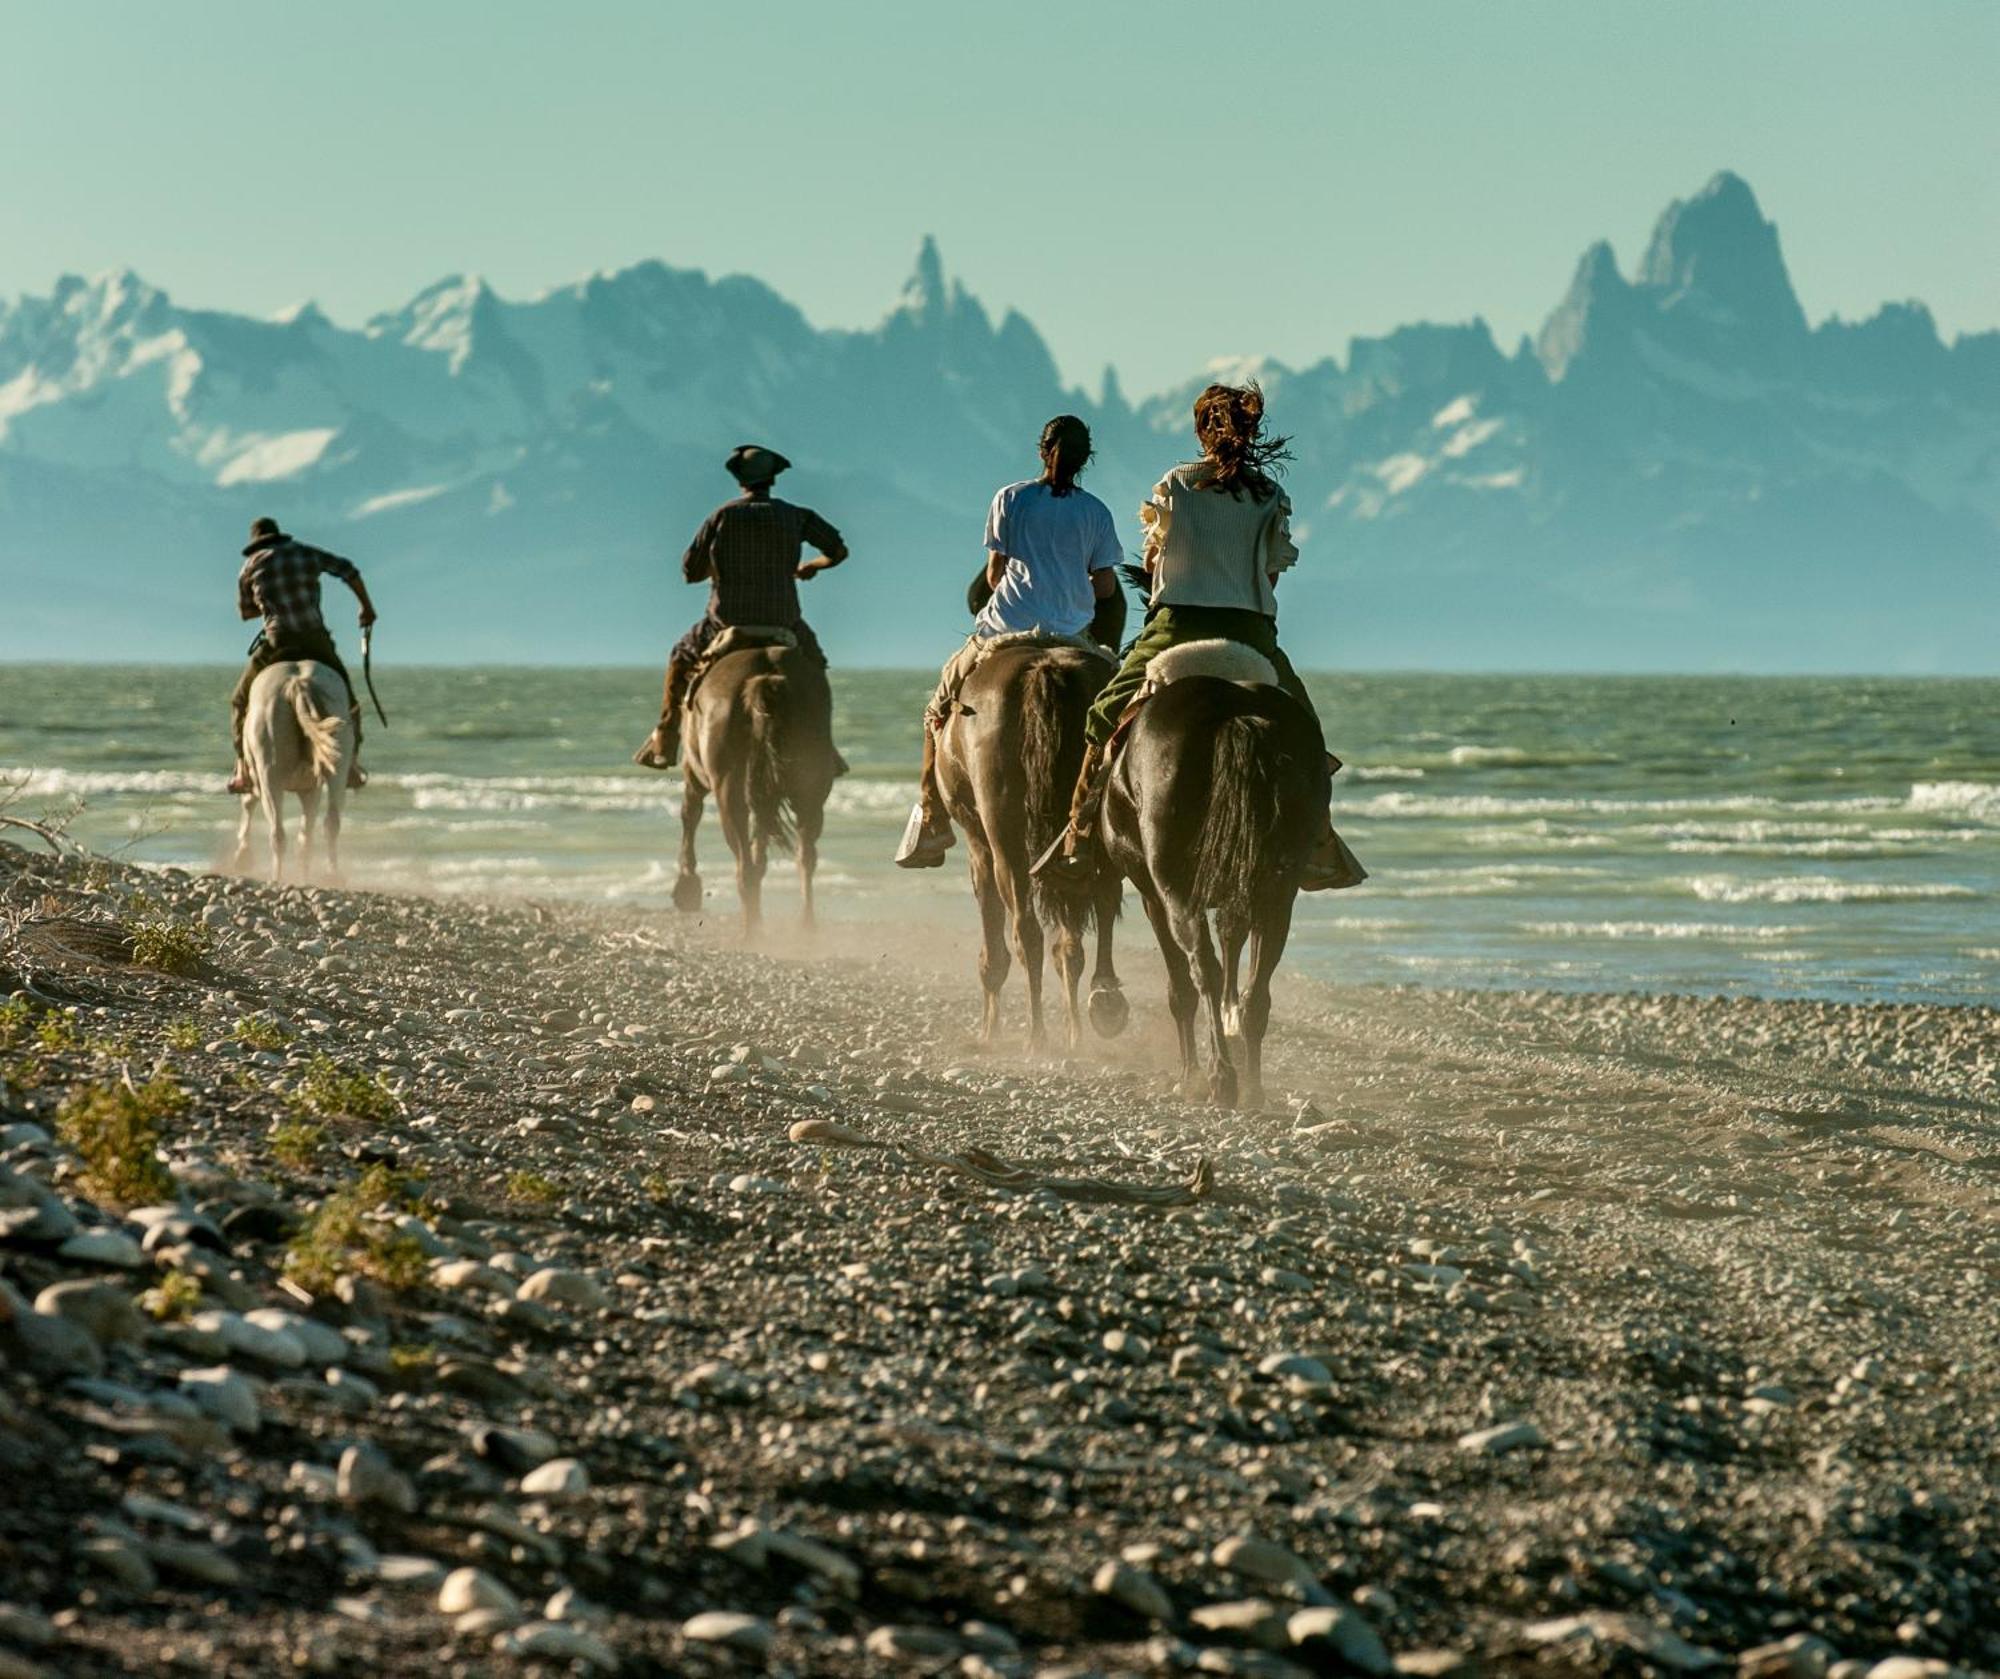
{"points": [[390, 1284]]}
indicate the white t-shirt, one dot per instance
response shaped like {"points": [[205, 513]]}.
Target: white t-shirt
{"points": [[1052, 543]]}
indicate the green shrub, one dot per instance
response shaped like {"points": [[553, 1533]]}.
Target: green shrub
{"points": [[182, 1036], [258, 1031], [533, 1188], [344, 1235], [117, 1131], [168, 946], [330, 1091], [297, 1143], [15, 1018], [58, 1032], [174, 1298]]}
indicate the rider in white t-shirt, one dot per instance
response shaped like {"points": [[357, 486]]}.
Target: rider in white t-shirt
{"points": [[1050, 550]]}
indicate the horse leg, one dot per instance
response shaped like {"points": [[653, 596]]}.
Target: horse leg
{"points": [[243, 823], [810, 817], [1267, 944], [1027, 931], [732, 805], [1108, 1009], [1192, 926], [993, 960], [1232, 931], [308, 820], [687, 885], [336, 796], [274, 823], [1180, 988], [1068, 951]]}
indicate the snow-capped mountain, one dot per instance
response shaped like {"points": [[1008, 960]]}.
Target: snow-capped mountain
{"points": [[1678, 472]]}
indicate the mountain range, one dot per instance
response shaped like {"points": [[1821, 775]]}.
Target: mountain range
{"points": [[1678, 472]]}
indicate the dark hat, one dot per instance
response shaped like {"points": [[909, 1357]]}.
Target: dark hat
{"points": [[264, 533], [752, 463]]}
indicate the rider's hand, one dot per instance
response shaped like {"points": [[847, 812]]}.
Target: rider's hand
{"points": [[367, 617], [811, 569]]}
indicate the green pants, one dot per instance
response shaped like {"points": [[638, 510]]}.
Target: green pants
{"points": [[316, 645], [1169, 627]]}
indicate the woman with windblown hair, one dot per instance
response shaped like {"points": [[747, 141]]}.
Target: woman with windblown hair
{"points": [[1218, 537]]}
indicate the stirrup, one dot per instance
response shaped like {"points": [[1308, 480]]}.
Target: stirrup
{"points": [[240, 782], [658, 754], [1070, 861], [923, 847]]}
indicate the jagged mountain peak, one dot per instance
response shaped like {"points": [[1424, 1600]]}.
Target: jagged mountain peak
{"points": [[924, 293], [1715, 255]]}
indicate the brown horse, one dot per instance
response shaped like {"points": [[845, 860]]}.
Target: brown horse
{"points": [[1215, 801], [758, 736], [1006, 759]]}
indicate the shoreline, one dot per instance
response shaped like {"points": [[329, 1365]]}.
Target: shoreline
{"points": [[1524, 1327]]}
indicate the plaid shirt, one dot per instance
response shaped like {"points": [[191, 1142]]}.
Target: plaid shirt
{"points": [[281, 583], [748, 550]]}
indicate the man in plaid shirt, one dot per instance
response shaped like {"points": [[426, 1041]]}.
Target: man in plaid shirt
{"points": [[747, 551], [279, 583]]}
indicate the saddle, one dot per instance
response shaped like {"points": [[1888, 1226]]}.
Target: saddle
{"points": [[739, 638], [1229, 660], [989, 645]]}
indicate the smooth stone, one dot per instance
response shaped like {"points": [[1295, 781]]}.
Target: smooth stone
{"points": [[193, 1561], [104, 1311], [1801, 1656], [52, 1346], [470, 1274], [410, 1571], [1503, 1437], [122, 1560], [912, 1643], [102, 1247], [467, 1589], [1346, 1632], [1298, 1372], [1262, 1559], [278, 1347], [323, 1344], [564, 1288], [726, 1626], [226, 1395], [1136, 1589], [516, 1450], [1126, 1347], [366, 1476], [557, 1641], [1251, 1618], [559, 1478]]}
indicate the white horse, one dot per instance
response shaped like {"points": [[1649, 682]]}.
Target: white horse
{"points": [[296, 739]]}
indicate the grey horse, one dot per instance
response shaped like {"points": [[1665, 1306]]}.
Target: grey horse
{"points": [[296, 739]]}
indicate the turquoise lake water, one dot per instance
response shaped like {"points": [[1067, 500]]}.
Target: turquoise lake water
{"points": [[1819, 837]]}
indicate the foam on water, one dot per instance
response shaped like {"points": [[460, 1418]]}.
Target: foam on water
{"points": [[1820, 837]]}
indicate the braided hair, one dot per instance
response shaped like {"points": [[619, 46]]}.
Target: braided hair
{"points": [[1228, 423], [1066, 451]]}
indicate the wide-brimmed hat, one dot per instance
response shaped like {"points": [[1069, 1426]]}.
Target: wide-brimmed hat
{"points": [[264, 533], [752, 463]]}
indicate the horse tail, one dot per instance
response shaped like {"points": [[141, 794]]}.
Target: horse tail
{"points": [[1244, 818], [1050, 758], [771, 815], [321, 728]]}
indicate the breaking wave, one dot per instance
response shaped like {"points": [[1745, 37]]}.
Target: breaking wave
{"points": [[1820, 889]]}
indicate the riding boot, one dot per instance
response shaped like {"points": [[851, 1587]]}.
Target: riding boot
{"points": [[240, 781], [663, 746], [1074, 858], [357, 777], [927, 835]]}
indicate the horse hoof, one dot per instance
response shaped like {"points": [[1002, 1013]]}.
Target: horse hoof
{"points": [[1109, 1011], [687, 893]]}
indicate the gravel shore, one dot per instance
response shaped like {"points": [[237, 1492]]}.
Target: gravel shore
{"points": [[421, 1287]]}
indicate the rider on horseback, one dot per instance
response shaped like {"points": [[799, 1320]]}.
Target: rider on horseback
{"points": [[1050, 550], [747, 550], [1218, 534], [279, 583]]}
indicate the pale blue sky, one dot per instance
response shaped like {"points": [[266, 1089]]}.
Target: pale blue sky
{"points": [[1153, 184]]}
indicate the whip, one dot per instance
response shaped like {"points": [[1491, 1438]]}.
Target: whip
{"points": [[368, 673]]}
